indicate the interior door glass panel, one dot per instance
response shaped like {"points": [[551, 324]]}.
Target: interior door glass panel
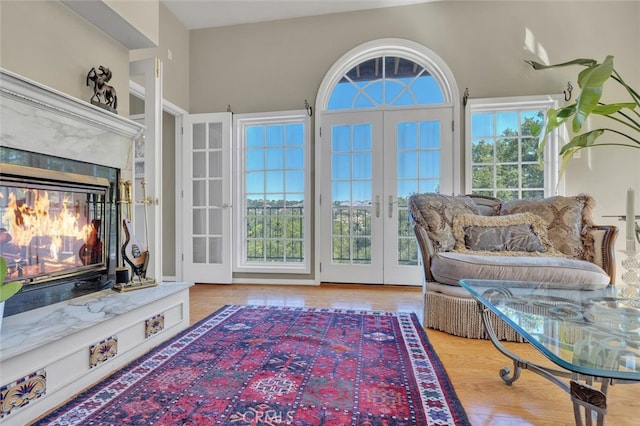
{"points": [[199, 136], [199, 168], [199, 193], [215, 193], [199, 222], [215, 249], [215, 135], [215, 164], [199, 249]]}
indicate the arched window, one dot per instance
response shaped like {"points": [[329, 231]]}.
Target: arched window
{"points": [[385, 81]]}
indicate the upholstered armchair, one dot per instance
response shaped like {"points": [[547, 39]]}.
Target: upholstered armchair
{"points": [[550, 240]]}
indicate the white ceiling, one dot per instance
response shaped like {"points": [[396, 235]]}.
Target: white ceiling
{"points": [[216, 13]]}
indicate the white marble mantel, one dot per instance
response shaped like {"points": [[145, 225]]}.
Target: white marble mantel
{"points": [[29, 330], [40, 119]]}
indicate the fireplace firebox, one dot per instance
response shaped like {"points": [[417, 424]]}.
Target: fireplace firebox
{"points": [[55, 232]]}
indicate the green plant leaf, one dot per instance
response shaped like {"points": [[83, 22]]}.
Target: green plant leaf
{"points": [[3, 269], [608, 109], [583, 140], [9, 289], [591, 81]]}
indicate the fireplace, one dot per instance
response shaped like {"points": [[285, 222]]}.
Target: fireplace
{"points": [[57, 227], [70, 154]]}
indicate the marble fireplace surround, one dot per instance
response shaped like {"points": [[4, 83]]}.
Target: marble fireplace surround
{"points": [[57, 350], [40, 119]]}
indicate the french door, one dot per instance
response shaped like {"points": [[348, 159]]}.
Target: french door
{"points": [[206, 198], [371, 162]]}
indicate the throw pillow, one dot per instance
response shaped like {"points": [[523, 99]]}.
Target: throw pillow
{"points": [[435, 213], [522, 234], [567, 220]]}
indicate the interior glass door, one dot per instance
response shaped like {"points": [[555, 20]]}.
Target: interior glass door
{"points": [[206, 198]]}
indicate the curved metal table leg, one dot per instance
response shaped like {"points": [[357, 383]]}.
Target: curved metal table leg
{"points": [[582, 394]]}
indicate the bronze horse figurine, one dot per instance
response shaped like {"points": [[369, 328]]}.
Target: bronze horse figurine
{"points": [[103, 93]]}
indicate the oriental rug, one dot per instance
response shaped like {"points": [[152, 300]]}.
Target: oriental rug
{"points": [[266, 365]]}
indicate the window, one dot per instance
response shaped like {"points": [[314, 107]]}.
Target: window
{"points": [[501, 149], [273, 192], [385, 81]]}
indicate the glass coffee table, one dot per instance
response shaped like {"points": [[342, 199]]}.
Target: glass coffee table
{"points": [[593, 335]]}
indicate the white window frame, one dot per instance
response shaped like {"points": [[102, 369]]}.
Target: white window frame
{"points": [[553, 185], [240, 123]]}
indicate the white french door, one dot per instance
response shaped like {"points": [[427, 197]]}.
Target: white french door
{"points": [[206, 202], [371, 163]]}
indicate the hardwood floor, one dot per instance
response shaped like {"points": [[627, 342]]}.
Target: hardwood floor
{"points": [[472, 365]]}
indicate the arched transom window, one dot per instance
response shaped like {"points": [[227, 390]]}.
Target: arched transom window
{"points": [[390, 81]]}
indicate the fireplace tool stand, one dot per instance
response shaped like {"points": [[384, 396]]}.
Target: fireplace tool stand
{"points": [[135, 255]]}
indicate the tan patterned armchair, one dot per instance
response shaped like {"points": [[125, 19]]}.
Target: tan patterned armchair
{"points": [[550, 240]]}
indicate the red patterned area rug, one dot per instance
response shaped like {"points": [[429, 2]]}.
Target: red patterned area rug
{"points": [[259, 365]]}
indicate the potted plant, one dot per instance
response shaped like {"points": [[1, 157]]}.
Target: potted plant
{"points": [[591, 81], [7, 290]]}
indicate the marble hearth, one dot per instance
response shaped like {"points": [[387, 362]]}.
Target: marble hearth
{"points": [[49, 354]]}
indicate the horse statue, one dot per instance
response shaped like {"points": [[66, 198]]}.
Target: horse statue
{"points": [[104, 95]]}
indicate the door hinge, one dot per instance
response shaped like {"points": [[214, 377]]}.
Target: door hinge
{"points": [[453, 125], [320, 131], [320, 266], [182, 130], [320, 199]]}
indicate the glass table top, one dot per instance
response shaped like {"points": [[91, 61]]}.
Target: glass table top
{"points": [[591, 332]]}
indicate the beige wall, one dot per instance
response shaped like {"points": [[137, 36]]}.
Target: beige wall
{"points": [[174, 37], [47, 42], [276, 65], [143, 15]]}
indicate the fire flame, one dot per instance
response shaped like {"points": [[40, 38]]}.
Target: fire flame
{"points": [[26, 222]]}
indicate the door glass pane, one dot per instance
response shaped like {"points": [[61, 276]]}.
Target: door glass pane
{"points": [[199, 193], [215, 249], [418, 170], [215, 221], [215, 193], [351, 175], [199, 136], [207, 187], [215, 135], [215, 164], [199, 250], [199, 222], [199, 165]]}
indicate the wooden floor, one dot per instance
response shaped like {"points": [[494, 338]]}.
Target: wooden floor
{"points": [[472, 365]]}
